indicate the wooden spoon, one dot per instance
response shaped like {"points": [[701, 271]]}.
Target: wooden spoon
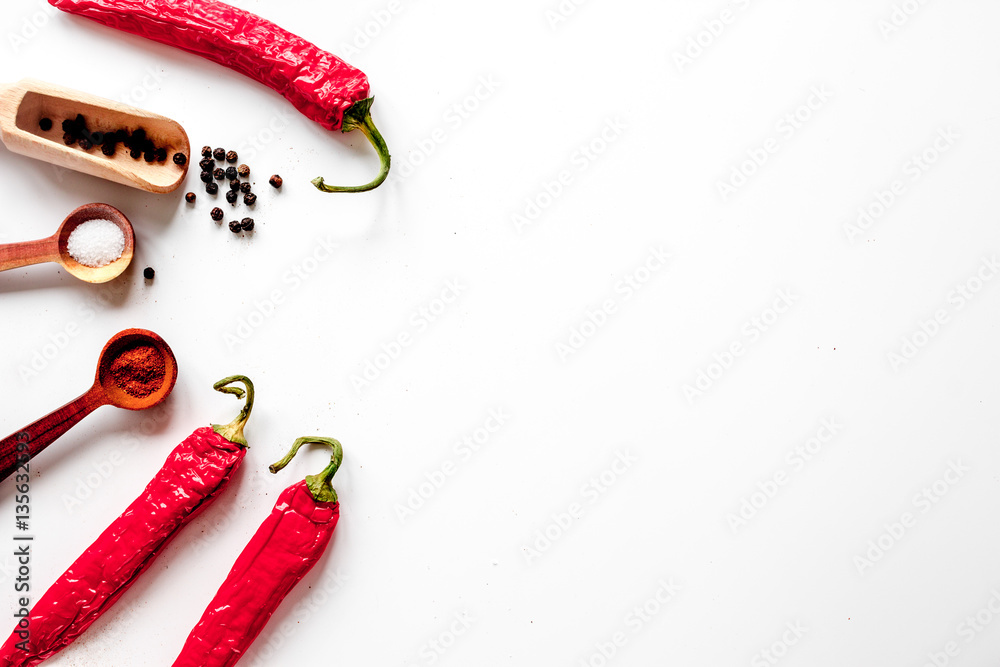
{"points": [[56, 247], [17, 448], [24, 104]]}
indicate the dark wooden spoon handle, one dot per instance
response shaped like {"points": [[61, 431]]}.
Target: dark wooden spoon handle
{"points": [[39, 435]]}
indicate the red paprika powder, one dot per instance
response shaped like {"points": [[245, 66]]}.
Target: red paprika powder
{"points": [[139, 370]]}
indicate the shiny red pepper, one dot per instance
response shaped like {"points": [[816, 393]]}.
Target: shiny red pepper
{"points": [[195, 472], [281, 552], [318, 83]]}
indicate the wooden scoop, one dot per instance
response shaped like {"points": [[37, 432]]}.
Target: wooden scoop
{"points": [[24, 104], [30, 440], [56, 247]]}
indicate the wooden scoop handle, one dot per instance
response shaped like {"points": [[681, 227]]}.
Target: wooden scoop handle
{"points": [[26, 253], [39, 435]]}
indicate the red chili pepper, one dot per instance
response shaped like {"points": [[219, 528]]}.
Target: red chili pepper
{"points": [[318, 83], [281, 552], [193, 475]]}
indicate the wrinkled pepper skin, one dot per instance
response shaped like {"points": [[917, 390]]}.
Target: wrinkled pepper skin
{"points": [[281, 552], [316, 82], [192, 476]]}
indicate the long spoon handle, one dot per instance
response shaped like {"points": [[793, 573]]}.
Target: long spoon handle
{"points": [[16, 255], [17, 448]]}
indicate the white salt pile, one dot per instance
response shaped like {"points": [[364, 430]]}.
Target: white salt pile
{"points": [[96, 242]]}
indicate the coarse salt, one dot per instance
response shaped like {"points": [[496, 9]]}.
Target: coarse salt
{"points": [[96, 242]]}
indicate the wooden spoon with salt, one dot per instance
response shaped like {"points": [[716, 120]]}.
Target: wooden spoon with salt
{"points": [[24, 104], [56, 247]]}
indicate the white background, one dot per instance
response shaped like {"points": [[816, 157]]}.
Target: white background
{"points": [[823, 551]]}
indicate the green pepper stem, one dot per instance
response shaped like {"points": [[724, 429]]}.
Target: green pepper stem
{"points": [[233, 431], [359, 117], [319, 485]]}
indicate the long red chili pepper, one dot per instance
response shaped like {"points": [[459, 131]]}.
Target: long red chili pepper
{"points": [[281, 552], [193, 475], [318, 83]]}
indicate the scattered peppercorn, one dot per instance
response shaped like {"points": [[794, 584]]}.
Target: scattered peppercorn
{"points": [[190, 197], [231, 196], [232, 157], [45, 124], [109, 148], [212, 188], [234, 226], [231, 173], [247, 224], [245, 187], [148, 273], [219, 154], [206, 176], [180, 159], [275, 181], [249, 199], [206, 151], [85, 144], [219, 173], [243, 170], [234, 184], [217, 214], [207, 164]]}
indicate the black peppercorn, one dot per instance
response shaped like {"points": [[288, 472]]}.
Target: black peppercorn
{"points": [[206, 176], [161, 154], [135, 153], [69, 138], [243, 170], [234, 226], [109, 148], [212, 188], [231, 196], [247, 224], [45, 124], [149, 156], [148, 273], [219, 153], [97, 138], [219, 173], [232, 157], [231, 173], [234, 185], [249, 199], [190, 197], [85, 144], [245, 187], [275, 181], [180, 159], [217, 214], [206, 151]]}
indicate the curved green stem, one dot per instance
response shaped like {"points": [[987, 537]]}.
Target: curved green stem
{"points": [[319, 485], [359, 117], [233, 431]]}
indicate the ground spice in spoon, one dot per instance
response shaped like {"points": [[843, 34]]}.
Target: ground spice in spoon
{"points": [[139, 370]]}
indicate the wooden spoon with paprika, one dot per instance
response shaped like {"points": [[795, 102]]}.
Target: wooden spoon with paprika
{"points": [[136, 370]]}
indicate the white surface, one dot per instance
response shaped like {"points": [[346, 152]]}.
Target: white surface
{"points": [[445, 225]]}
